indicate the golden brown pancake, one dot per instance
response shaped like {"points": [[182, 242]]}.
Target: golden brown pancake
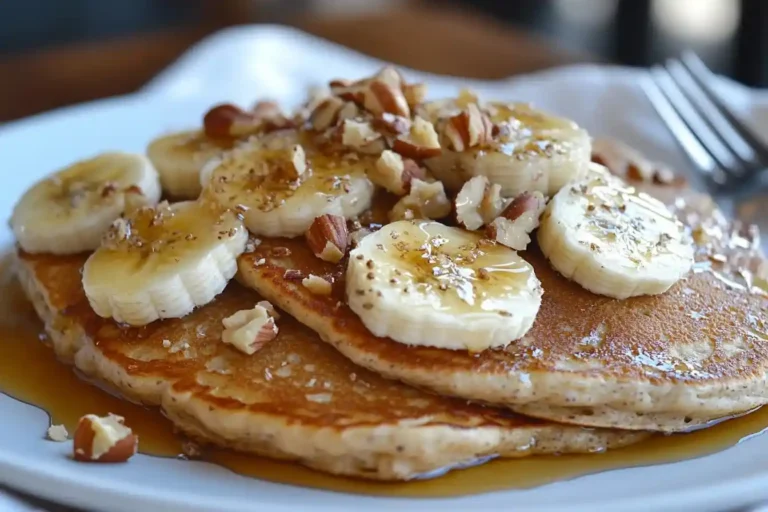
{"points": [[667, 362], [296, 399]]}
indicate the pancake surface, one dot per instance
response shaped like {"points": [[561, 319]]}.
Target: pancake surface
{"points": [[296, 399], [669, 362]]}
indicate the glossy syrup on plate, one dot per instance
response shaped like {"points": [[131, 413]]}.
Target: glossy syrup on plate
{"points": [[30, 372]]}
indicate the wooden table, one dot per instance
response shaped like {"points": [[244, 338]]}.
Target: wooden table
{"points": [[446, 42], [440, 41]]}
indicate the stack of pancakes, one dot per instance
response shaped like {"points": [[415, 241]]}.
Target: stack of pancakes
{"points": [[594, 373]]}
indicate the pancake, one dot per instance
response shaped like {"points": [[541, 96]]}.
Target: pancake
{"points": [[296, 399], [668, 362]]}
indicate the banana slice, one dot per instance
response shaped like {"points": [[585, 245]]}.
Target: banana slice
{"points": [[281, 183], [614, 240], [164, 261], [179, 158], [514, 145], [424, 283], [69, 211]]}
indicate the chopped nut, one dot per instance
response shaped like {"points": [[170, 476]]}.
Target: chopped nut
{"points": [[328, 237], [317, 285], [469, 200], [249, 330], [225, 121], [424, 201], [380, 97], [466, 97], [414, 93], [358, 134], [104, 439], [270, 309], [58, 433], [468, 129], [394, 173], [326, 114], [391, 124], [293, 274], [478, 203], [298, 160], [421, 142], [626, 162], [518, 220]]}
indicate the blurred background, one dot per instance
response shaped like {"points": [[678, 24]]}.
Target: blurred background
{"points": [[55, 52]]}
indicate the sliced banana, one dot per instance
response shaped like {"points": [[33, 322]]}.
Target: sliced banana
{"points": [[424, 283], [69, 211], [179, 158], [281, 183], [162, 262], [528, 150], [614, 240]]}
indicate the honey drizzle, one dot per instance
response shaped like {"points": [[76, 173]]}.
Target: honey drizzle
{"points": [[30, 372]]}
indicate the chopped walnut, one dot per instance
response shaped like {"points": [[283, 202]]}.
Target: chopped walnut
{"points": [[478, 203], [420, 142], [627, 162], [518, 220], [358, 134], [317, 285], [395, 173], [424, 201], [249, 330]]}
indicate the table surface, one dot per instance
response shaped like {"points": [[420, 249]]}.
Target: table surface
{"points": [[440, 41], [445, 42]]}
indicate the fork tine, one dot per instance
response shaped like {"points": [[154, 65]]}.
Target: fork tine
{"points": [[725, 160], [712, 115], [701, 73], [687, 140]]}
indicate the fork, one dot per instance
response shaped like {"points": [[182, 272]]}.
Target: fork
{"points": [[727, 155], [725, 152]]}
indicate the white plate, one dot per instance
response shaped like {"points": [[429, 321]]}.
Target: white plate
{"points": [[249, 62]]}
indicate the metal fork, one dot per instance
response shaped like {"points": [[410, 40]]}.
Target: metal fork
{"points": [[725, 152]]}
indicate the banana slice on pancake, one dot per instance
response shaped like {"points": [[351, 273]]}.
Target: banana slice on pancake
{"points": [[163, 261], [424, 283], [179, 158], [69, 211], [514, 145], [614, 240], [282, 182]]}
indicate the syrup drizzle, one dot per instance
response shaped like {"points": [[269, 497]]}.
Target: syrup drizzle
{"points": [[30, 372]]}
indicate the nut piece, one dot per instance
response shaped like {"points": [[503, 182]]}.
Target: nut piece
{"points": [[358, 134], [392, 124], [466, 97], [225, 121], [270, 308], [317, 285], [518, 220], [328, 237], [249, 330], [478, 203], [298, 160], [424, 201], [414, 93], [326, 114], [104, 439], [493, 204], [380, 97], [469, 129], [58, 433], [420, 143], [626, 162], [468, 202], [394, 173]]}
